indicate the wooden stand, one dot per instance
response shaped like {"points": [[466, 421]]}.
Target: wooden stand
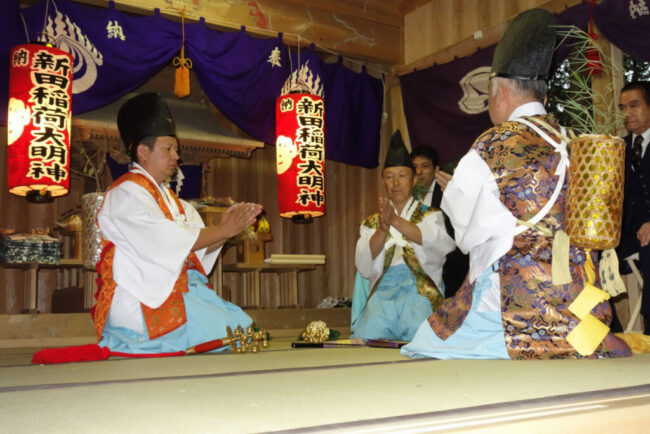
{"points": [[287, 275], [252, 251], [211, 214]]}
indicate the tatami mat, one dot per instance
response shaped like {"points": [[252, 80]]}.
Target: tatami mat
{"points": [[281, 389]]}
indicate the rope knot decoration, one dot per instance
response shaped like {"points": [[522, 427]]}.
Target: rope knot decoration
{"points": [[183, 65]]}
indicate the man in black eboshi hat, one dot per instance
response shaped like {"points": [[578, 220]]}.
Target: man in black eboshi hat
{"points": [[515, 173], [400, 252], [152, 295]]}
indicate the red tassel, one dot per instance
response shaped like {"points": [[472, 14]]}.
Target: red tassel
{"points": [[80, 353], [594, 65], [88, 353], [148, 355]]}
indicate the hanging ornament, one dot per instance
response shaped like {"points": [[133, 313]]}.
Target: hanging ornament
{"points": [[594, 64], [300, 147], [38, 127], [183, 65]]}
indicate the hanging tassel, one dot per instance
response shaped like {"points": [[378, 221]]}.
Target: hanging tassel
{"points": [[182, 82], [183, 65], [638, 343], [610, 279], [590, 269], [560, 262]]}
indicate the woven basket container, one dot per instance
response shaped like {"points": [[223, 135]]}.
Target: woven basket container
{"points": [[594, 203], [91, 238]]}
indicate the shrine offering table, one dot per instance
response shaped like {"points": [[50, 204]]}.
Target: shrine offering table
{"points": [[287, 274]]}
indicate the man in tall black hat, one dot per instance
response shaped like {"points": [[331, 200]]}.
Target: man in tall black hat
{"points": [[153, 296], [401, 251], [513, 174]]}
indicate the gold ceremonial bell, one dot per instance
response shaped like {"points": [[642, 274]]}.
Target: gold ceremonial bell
{"points": [[249, 340]]}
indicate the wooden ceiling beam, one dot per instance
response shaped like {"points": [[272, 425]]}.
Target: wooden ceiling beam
{"points": [[406, 6], [371, 11], [340, 28], [491, 35]]}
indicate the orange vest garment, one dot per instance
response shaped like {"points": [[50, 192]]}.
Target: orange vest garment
{"points": [[171, 314]]}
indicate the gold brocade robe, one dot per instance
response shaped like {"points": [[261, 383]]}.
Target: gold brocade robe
{"points": [[535, 315]]}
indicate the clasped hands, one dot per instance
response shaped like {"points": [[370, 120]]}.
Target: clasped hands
{"points": [[442, 179], [238, 217], [643, 234], [387, 214]]}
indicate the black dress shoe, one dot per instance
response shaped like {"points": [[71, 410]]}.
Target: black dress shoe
{"points": [[646, 324]]}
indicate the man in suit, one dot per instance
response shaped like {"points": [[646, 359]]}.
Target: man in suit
{"points": [[429, 192], [635, 238]]}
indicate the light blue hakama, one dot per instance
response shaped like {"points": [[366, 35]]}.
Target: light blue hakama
{"points": [[480, 336], [359, 296], [207, 318], [394, 310]]}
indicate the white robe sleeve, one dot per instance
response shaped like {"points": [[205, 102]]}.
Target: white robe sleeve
{"points": [[150, 249], [194, 220], [369, 268], [484, 226]]}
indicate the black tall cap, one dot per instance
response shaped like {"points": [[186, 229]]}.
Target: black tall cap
{"points": [[142, 116], [526, 49], [397, 154]]}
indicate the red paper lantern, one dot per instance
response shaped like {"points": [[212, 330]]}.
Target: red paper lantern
{"points": [[38, 124], [300, 155]]}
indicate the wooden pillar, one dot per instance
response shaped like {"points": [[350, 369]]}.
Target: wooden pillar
{"points": [[397, 116], [607, 84]]}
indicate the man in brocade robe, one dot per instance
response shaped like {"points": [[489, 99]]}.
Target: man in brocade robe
{"points": [[508, 307], [401, 251], [153, 294]]}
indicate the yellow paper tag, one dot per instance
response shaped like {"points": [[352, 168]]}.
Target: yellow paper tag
{"points": [[587, 335], [589, 297], [561, 273]]}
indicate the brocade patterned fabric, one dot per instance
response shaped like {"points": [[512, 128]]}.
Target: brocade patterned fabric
{"points": [[535, 314], [426, 286]]}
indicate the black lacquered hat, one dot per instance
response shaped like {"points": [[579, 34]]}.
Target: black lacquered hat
{"points": [[526, 49], [142, 116], [397, 154]]}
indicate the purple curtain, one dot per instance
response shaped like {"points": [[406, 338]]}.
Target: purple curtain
{"points": [[235, 73], [626, 24], [116, 53], [446, 105], [351, 129]]}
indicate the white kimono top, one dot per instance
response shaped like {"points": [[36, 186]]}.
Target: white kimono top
{"points": [[483, 226], [150, 249], [436, 244]]}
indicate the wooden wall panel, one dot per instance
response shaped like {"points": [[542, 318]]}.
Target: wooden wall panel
{"points": [[17, 214], [442, 23], [351, 194]]}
